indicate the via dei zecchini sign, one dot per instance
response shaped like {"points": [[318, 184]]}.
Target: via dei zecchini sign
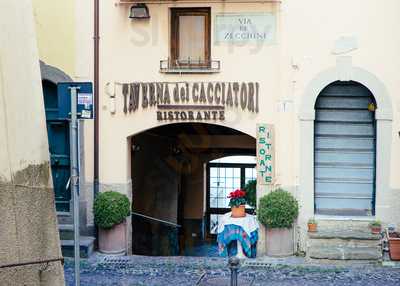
{"points": [[190, 101]]}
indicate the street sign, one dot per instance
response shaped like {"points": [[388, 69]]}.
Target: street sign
{"points": [[75, 101], [84, 99]]}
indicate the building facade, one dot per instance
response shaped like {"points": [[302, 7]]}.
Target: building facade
{"points": [[190, 83]]}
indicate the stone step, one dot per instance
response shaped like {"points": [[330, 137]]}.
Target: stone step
{"points": [[347, 234], [345, 253], [66, 231], [86, 247], [64, 218], [337, 242], [344, 240], [343, 224]]}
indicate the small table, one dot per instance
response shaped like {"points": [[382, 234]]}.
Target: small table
{"points": [[237, 236]]}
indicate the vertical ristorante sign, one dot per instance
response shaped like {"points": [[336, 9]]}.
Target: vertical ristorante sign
{"points": [[194, 101], [265, 154]]}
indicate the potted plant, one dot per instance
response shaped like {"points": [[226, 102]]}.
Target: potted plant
{"points": [[110, 211], [312, 225], [394, 245], [375, 226], [237, 203], [278, 211]]}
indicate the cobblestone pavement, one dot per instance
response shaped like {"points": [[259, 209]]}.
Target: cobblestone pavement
{"points": [[163, 271]]}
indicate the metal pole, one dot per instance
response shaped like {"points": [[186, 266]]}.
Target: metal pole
{"points": [[234, 264], [75, 177], [96, 141]]}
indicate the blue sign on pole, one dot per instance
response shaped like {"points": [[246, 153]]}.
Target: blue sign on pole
{"points": [[84, 99]]}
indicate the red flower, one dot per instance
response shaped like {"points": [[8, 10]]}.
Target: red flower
{"points": [[237, 194]]}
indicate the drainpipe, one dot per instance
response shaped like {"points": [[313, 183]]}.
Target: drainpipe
{"points": [[96, 39]]}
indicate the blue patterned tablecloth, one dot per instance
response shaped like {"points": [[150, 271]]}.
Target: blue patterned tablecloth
{"points": [[233, 230]]}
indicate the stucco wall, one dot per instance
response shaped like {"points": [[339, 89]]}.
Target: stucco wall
{"points": [[28, 225], [55, 30]]}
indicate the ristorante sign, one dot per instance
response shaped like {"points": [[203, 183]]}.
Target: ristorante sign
{"points": [[265, 154], [180, 101]]}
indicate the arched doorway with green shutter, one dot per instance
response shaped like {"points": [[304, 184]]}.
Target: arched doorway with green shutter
{"points": [[345, 150], [58, 138]]}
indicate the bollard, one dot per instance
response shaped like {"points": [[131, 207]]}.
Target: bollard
{"points": [[234, 264]]}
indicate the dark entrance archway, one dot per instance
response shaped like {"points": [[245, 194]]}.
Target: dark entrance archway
{"points": [[169, 171]]}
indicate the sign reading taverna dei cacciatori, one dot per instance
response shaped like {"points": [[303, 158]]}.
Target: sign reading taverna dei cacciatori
{"points": [[180, 101], [265, 154]]}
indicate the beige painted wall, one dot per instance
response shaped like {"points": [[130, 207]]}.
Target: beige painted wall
{"points": [[55, 29], [28, 225]]}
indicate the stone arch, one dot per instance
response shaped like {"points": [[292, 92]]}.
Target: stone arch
{"points": [[205, 123], [53, 74], [349, 73]]}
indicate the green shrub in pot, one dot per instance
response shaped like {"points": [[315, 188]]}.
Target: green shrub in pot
{"points": [[278, 209], [110, 208]]}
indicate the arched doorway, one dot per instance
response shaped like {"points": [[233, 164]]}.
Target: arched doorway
{"points": [[345, 150], [169, 185], [58, 135], [58, 138]]}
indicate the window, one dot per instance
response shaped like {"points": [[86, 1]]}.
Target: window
{"points": [[224, 176], [190, 37]]}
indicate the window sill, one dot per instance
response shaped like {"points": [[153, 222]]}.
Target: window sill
{"points": [[166, 66], [188, 71]]}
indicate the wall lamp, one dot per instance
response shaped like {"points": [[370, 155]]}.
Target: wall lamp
{"points": [[135, 148], [139, 11]]}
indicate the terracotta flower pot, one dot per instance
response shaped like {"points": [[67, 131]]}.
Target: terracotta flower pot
{"points": [[113, 240], [239, 211], [376, 229], [394, 246], [312, 227]]}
